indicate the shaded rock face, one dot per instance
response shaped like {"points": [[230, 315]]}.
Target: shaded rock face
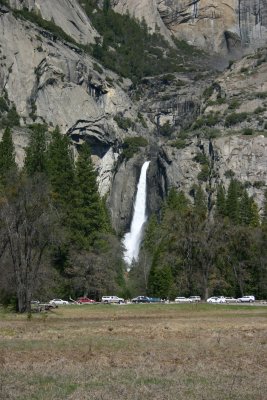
{"points": [[177, 102], [228, 26]]}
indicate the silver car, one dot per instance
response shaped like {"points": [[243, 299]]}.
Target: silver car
{"points": [[182, 300], [216, 300], [246, 299]]}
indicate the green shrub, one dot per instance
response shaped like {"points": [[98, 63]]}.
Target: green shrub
{"points": [[179, 143], [258, 184], [247, 131], [235, 118], [131, 146], [207, 120], [229, 174], [211, 133], [208, 92], [262, 95], [166, 129], [11, 119], [220, 100], [259, 110], [167, 79], [204, 173], [142, 120], [234, 104], [123, 123], [201, 158]]}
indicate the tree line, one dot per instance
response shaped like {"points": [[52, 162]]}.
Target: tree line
{"points": [[56, 236], [186, 251]]}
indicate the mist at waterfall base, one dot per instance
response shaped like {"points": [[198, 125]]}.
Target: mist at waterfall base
{"points": [[132, 239]]}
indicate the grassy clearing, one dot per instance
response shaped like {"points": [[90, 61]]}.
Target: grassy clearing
{"points": [[135, 352]]}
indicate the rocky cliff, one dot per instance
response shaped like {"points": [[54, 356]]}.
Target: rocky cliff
{"points": [[231, 26], [51, 80], [223, 116]]}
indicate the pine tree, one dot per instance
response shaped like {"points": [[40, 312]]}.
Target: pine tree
{"points": [[35, 161], [264, 215], [232, 202], [177, 201], [7, 156], [254, 218], [200, 203], [60, 168], [221, 202], [87, 217], [244, 209], [151, 234]]}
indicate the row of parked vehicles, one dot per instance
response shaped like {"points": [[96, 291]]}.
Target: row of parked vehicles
{"points": [[146, 299], [222, 299], [216, 299]]}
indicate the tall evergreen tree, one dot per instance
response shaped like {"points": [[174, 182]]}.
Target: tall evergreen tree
{"points": [[87, 218], [264, 215], [244, 209], [232, 201], [36, 161], [200, 203], [254, 218], [60, 168], [177, 201], [7, 156], [221, 202]]}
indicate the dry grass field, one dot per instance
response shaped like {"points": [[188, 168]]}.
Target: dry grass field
{"points": [[135, 352]]}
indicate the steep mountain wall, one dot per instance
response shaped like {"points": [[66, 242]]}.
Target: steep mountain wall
{"points": [[54, 81], [231, 26], [49, 80]]}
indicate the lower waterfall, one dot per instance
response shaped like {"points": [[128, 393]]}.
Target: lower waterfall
{"points": [[132, 239]]}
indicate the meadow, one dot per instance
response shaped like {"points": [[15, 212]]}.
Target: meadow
{"points": [[135, 352]]}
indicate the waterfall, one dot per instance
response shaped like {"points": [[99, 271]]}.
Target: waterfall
{"points": [[132, 239]]}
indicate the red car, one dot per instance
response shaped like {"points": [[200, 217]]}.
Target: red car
{"points": [[84, 300]]}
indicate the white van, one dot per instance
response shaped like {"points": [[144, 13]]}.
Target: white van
{"points": [[112, 299]]}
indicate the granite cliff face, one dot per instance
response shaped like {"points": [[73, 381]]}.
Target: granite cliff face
{"points": [[232, 26], [65, 13], [52, 80]]}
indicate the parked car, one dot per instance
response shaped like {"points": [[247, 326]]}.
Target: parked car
{"points": [[195, 299], [155, 300], [182, 300], [141, 299], [246, 299], [230, 300], [112, 299], [216, 299], [84, 300], [58, 302]]}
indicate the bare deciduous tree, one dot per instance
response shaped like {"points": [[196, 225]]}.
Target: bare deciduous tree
{"points": [[27, 226]]}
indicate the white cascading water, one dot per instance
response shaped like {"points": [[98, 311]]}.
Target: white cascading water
{"points": [[132, 239]]}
